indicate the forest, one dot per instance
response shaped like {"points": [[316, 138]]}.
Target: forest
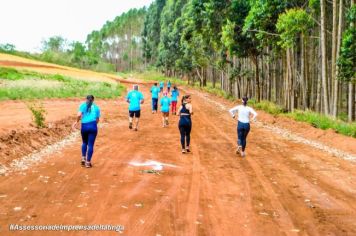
{"points": [[297, 54]]}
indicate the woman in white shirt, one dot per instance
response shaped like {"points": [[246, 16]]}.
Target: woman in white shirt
{"points": [[243, 126]]}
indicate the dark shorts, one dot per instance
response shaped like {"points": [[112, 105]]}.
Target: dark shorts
{"points": [[136, 114]]}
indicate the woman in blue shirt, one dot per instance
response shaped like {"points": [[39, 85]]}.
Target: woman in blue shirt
{"points": [[165, 104], [89, 114], [175, 95]]}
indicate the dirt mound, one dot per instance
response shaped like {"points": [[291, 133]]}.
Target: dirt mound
{"points": [[20, 143], [23, 64]]}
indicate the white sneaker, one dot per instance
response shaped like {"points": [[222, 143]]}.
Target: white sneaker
{"points": [[243, 154]]}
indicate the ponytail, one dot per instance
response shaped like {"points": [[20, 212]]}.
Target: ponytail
{"points": [[90, 99], [244, 100], [183, 99]]}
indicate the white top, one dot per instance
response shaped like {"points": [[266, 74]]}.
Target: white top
{"points": [[243, 113]]}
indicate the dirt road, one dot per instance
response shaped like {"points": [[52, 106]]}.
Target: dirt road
{"points": [[282, 187]]}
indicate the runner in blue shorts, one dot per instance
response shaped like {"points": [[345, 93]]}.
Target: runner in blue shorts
{"points": [[165, 104], [135, 99], [89, 114]]}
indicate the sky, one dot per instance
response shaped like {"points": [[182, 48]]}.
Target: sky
{"points": [[26, 23]]}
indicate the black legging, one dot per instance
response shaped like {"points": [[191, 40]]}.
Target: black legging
{"points": [[185, 135], [242, 131]]}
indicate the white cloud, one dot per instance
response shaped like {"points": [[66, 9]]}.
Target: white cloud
{"points": [[25, 23]]}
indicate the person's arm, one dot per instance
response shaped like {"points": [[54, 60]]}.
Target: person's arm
{"points": [[128, 98], [78, 118], [190, 108], [180, 108], [233, 110], [254, 114], [98, 116]]}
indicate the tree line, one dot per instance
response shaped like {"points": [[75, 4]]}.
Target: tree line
{"points": [[298, 54]]}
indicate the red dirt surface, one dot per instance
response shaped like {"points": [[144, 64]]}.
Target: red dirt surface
{"points": [[280, 188], [23, 64]]}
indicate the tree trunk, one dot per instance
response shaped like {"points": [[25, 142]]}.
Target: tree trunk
{"points": [[302, 73], [351, 102], [333, 56], [336, 81], [324, 57], [257, 72]]}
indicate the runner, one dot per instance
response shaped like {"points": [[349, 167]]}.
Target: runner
{"points": [[161, 86], [155, 95], [175, 95], [243, 125], [135, 99], [185, 122], [89, 114], [169, 86], [165, 103]]}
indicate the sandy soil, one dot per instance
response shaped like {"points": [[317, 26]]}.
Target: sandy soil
{"points": [[280, 188], [21, 63]]}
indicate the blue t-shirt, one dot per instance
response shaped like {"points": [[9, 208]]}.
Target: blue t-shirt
{"points": [[154, 91], [89, 116], [135, 97], [165, 103], [175, 95], [169, 84], [161, 84]]}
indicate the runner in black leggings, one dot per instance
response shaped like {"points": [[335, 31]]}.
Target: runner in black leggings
{"points": [[243, 125], [185, 122]]}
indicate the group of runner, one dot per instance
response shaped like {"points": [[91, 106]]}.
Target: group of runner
{"points": [[89, 115]]}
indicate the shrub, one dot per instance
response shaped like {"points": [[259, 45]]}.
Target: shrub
{"points": [[38, 113]]}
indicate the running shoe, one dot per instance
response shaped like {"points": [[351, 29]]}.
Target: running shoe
{"points": [[243, 154], [135, 129], [238, 150], [187, 149], [183, 151], [88, 164], [82, 162], [130, 125]]}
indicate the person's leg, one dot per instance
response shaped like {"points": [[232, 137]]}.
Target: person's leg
{"points": [[131, 115], [137, 116], [155, 104], [91, 140], [182, 136], [246, 131], [85, 135], [188, 129], [240, 136], [166, 117], [163, 120], [174, 107]]}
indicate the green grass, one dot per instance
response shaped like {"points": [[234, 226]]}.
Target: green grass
{"points": [[10, 74], [267, 106], [69, 87], [315, 119], [324, 122]]}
